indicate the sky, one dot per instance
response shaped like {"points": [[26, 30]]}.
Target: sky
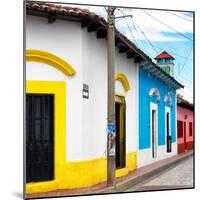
{"points": [[154, 31]]}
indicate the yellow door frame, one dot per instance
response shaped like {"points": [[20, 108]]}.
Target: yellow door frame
{"points": [[58, 89], [120, 98]]}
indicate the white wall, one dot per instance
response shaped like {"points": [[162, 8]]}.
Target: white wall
{"points": [[129, 68], [145, 155], [95, 108], [63, 39], [86, 118]]}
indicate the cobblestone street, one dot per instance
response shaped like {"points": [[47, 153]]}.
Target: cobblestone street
{"points": [[178, 176]]}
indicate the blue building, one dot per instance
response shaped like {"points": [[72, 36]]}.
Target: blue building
{"points": [[157, 110]]}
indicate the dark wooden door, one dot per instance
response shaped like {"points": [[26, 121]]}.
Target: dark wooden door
{"points": [[39, 137], [153, 133], [169, 138], [120, 135], [185, 137]]}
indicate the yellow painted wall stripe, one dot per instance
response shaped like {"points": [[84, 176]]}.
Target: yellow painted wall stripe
{"points": [[33, 55], [82, 174], [70, 175]]}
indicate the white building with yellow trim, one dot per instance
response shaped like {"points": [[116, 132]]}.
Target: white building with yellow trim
{"points": [[66, 101], [61, 58]]}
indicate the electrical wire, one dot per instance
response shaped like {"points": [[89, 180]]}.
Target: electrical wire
{"points": [[129, 29], [183, 35], [169, 46], [184, 64], [172, 13], [142, 34]]}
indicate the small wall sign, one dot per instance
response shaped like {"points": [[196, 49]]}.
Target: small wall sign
{"points": [[85, 92]]}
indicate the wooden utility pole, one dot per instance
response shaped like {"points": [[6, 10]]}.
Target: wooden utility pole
{"points": [[111, 99]]}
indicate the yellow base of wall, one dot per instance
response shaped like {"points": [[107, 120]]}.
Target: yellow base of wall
{"points": [[82, 174]]}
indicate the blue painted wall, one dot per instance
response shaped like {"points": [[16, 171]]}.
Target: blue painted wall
{"points": [[146, 83]]}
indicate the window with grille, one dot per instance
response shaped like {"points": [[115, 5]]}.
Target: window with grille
{"points": [[190, 129]]}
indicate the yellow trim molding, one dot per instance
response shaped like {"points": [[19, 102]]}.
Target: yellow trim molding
{"points": [[59, 91], [69, 175], [123, 80], [82, 174], [33, 55]]}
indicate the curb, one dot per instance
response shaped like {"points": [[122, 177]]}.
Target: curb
{"points": [[122, 186]]}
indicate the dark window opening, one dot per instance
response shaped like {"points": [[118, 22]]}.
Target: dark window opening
{"points": [[153, 126], [190, 129], [169, 137], [120, 146], [180, 128]]}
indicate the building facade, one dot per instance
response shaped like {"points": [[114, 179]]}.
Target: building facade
{"points": [[185, 125], [157, 113], [66, 99], [157, 117]]}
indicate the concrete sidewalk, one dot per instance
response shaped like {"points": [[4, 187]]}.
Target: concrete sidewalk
{"points": [[122, 183]]}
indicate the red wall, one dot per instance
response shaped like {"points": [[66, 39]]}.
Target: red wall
{"points": [[181, 116]]}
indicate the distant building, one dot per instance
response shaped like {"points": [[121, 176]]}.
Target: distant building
{"points": [[185, 125], [165, 61]]}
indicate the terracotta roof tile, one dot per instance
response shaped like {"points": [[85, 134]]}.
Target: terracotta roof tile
{"points": [[80, 12], [184, 103], [164, 54]]}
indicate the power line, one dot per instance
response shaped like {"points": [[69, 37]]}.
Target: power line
{"points": [[186, 60], [179, 16], [153, 46], [147, 39], [165, 43], [169, 51], [129, 29], [158, 47], [143, 34], [183, 35]]}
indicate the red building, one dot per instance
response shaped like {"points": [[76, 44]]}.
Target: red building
{"points": [[185, 125]]}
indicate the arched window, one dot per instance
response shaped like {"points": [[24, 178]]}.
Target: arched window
{"points": [[154, 92], [168, 99]]}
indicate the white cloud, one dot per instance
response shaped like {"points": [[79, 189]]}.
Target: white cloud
{"points": [[155, 31]]}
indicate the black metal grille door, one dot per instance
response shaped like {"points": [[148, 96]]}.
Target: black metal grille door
{"points": [[39, 137]]}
